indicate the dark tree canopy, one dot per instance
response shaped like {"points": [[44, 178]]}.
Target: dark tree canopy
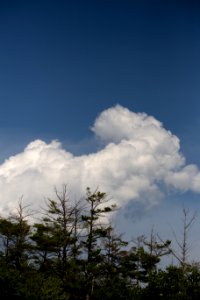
{"points": [[71, 253]]}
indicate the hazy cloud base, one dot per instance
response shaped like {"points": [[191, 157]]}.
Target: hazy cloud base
{"points": [[140, 161]]}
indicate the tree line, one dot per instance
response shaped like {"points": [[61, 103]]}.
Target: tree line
{"points": [[72, 252]]}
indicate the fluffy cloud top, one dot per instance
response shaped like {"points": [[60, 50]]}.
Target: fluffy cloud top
{"points": [[139, 161]]}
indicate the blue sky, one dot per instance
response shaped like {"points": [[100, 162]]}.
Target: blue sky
{"points": [[62, 63]]}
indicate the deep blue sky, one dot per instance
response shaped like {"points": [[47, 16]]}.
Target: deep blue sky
{"points": [[63, 62]]}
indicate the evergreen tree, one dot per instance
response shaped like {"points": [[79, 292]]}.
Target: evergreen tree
{"points": [[95, 230], [15, 235]]}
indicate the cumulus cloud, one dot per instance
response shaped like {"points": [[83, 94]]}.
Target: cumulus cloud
{"points": [[139, 161]]}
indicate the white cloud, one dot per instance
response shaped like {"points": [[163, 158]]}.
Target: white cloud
{"points": [[139, 158]]}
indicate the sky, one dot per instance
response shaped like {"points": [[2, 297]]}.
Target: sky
{"points": [[103, 93]]}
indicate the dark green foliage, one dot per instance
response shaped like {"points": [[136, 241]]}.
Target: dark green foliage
{"points": [[73, 254]]}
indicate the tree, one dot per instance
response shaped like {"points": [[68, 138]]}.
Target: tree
{"points": [[15, 235], [57, 236], [94, 232], [183, 244]]}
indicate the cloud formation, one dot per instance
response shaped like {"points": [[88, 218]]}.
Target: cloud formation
{"points": [[140, 160]]}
